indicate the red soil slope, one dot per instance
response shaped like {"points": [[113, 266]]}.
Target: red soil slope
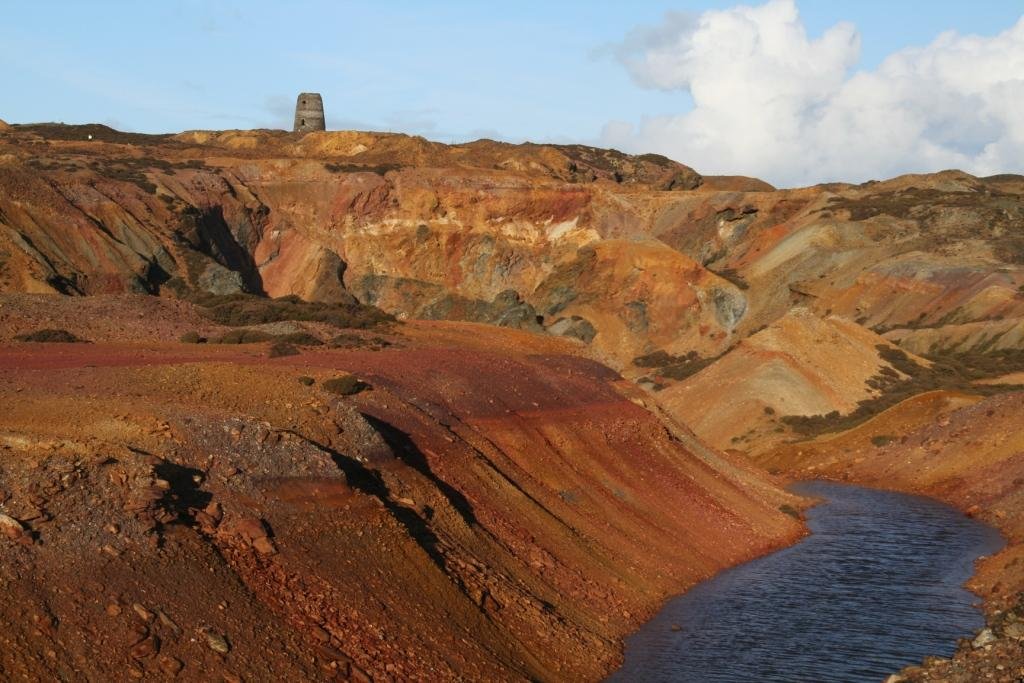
{"points": [[493, 508]]}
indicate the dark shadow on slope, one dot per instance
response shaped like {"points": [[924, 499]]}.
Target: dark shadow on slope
{"points": [[365, 480], [206, 231], [405, 450], [184, 495]]}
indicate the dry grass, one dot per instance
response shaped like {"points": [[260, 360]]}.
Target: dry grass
{"points": [[951, 372]]}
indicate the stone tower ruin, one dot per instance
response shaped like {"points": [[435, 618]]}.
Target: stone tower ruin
{"points": [[309, 112]]}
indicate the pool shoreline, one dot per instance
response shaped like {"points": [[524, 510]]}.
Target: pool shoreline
{"points": [[980, 541]]}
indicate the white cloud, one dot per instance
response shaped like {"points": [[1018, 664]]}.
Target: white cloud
{"points": [[770, 101]]}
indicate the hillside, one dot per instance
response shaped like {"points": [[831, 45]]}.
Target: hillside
{"points": [[575, 368], [800, 365]]}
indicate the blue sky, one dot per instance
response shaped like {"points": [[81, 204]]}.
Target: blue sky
{"points": [[447, 70]]}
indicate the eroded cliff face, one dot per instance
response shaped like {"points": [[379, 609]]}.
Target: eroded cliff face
{"points": [[800, 365], [526, 236], [632, 255]]}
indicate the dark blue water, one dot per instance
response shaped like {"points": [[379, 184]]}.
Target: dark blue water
{"points": [[878, 585]]}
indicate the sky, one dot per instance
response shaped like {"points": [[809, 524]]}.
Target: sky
{"points": [[792, 91]]}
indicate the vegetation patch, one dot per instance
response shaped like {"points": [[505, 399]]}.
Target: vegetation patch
{"points": [[993, 215], [299, 339], [355, 341], [243, 337], [306, 381], [250, 336], [99, 132], [674, 367], [51, 335], [379, 169], [238, 310], [950, 372]]}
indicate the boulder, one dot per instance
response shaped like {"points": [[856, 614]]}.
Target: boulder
{"points": [[11, 528], [251, 531], [575, 326], [985, 637]]}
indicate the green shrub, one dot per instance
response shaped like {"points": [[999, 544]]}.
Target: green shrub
{"points": [[674, 367], [881, 440], [355, 341], [249, 336], [657, 359], [51, 335], [192, 338], [306, 381], [681, 371], [346, 385], [951, 372], [380, 169]]}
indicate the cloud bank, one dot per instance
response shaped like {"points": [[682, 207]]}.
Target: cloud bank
{"points": [[769, 101]]}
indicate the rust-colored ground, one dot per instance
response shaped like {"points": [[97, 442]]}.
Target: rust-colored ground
{"points": [[493, 508]]}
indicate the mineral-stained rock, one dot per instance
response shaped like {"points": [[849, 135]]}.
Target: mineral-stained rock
{"points": [[171, 665], [1014, 630], [574, 326], [11, 528], [984, 637], [217, 642], [146, 648], [142, 612], [385, 518]]}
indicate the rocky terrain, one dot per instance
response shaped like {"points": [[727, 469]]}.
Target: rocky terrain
{"points": [[540, 326], [197, 510]]}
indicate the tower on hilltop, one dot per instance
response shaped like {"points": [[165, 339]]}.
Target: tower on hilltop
{"points": [[309, 112]]}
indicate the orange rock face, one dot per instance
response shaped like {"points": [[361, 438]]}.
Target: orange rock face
{"points": [[799, 365], [592, 242], [420, 229]]}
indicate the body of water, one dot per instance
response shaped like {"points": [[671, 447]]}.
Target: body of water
{"points": [[878, 585]]}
